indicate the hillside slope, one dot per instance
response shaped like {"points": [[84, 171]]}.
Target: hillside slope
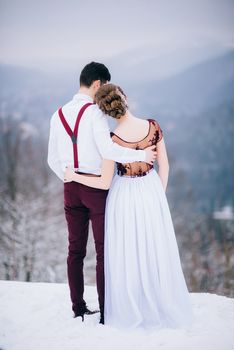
{"points": [[38, 316]]}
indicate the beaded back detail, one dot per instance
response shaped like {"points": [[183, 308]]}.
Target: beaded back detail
{"points": [[137, 169]]}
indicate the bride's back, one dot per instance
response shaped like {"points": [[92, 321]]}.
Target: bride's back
{"points": [[133, 129], [131, 132], [132, 136]]}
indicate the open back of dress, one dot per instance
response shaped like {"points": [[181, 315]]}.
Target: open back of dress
{"points": [[138, 168]]}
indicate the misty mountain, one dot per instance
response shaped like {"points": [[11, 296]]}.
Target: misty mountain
{"points": [[196, 111], [149, 63], [199, 87], [194, 108]]}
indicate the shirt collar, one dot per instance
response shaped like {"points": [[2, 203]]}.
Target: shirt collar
{"points": [[79, 96]]}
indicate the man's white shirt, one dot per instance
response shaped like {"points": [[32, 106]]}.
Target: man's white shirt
{"points": [[94, 142]]}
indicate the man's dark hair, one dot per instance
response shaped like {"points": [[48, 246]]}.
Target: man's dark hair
{"points": [[94, 71]]}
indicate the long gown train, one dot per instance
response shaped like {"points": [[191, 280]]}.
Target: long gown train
{"points": [[144, 282]]}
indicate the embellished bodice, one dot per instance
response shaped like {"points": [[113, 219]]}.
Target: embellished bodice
{"points": [[137, 169]]}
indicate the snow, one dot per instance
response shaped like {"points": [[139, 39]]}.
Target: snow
{"points": [[38, 316]]}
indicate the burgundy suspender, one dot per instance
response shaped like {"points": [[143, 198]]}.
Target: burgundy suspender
{"points": [[73, 134]]}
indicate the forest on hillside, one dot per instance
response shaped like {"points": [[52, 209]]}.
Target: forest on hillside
{"points": [[33, 234]]}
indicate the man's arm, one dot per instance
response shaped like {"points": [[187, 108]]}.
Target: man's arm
{"points": [[108, 148], [53, 159]]}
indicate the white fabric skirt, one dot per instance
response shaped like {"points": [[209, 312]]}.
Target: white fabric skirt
{"points": [[144, 282]]}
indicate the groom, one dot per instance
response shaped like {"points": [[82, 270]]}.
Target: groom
{"points": [[80, 136]]}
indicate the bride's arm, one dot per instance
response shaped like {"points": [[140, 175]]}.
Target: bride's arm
{"points": [[102, 182], [163, 164]]}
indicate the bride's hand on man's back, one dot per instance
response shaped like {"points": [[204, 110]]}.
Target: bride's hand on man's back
{"points": [[68, 174]]}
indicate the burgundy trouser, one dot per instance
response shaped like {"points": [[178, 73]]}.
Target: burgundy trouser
{"points": [[81, 204]]}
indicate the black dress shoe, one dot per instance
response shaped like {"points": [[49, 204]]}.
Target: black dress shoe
{"points": [[101, 318], [79, 314], [84, 311], [89, 312]]}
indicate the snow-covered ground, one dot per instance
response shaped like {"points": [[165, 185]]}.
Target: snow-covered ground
{"points": [[38, 316]]}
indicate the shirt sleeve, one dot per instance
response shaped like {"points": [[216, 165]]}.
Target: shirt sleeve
{"points": [[109, 149], [53, 159]]}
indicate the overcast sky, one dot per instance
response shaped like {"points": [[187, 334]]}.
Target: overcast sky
{"points": [[59, 33]]}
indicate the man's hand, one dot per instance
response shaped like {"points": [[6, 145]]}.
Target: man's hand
{"points": [[68, 174], [151, 154]]}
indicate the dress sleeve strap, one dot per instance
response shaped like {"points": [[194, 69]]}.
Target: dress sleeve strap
{"points": [[159, 132]]}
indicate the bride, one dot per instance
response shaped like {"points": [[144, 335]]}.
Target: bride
{"points": [[144, 282]]}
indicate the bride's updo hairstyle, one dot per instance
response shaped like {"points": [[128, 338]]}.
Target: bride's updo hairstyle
{"points": [[111, 100]]}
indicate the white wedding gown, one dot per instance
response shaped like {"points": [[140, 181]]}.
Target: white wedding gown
{"points": [[144, 282]]}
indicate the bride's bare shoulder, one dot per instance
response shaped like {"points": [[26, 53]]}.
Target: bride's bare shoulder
{"points": [[135, 122]]}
